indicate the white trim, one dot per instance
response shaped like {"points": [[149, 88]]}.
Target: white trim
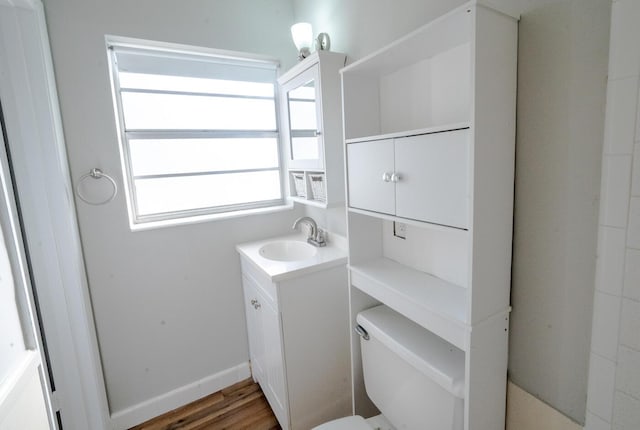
{"points": [[34, 129], [180, 396]]}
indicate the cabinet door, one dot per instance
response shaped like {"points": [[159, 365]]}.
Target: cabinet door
{"points": [[301, 96], [275, 388], [367, 165], [254, 331], [433, 182]]}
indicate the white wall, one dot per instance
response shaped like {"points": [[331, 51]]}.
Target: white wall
{"points": [[561, 96], [24, 407], [562, 67], [359, 27], [22, 403], [167, 302], [614, 372], [12, 348]]}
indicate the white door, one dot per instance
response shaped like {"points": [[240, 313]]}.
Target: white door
{"points": [[369, 169], [23, 395], [25, 399], [254, 331], [39, 168], [433, 178], [276, 384]]}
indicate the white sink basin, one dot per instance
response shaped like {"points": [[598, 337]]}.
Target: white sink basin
{"points": [[287, 250]]}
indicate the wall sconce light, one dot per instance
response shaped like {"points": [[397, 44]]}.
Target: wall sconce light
{"points": [[302, 34]]}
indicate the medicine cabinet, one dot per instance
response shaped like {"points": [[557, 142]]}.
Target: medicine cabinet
{"points": [[311, 118]]}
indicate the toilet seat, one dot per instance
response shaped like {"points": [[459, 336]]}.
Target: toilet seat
{"points": [[346, 423]]}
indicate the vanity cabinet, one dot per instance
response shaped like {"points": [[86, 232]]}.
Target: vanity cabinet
{"points": [[429, 130], [298, 332], [311, 129], [423, 177]]}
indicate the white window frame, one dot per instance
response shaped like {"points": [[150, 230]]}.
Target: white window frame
{"points": [[141, 222]]}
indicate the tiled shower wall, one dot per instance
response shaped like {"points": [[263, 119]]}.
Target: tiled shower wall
{"points": [[614, 371]]}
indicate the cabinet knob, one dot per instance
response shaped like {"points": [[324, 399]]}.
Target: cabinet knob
{"points": [[386, 176], [395, 177], [253, 302], [257, 305]]}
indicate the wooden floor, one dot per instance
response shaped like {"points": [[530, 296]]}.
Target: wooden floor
{"points": [[241, 406]]}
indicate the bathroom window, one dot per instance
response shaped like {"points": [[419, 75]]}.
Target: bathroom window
{"points": [[198, 131]]}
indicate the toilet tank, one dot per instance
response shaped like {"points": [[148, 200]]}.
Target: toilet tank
{"points": [[414, 377]]}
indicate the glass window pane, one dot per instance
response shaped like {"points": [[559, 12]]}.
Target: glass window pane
{"points": [[156, 196], [304, 148], [302, 115], [194, 85], [158, 156], [184, 112]]}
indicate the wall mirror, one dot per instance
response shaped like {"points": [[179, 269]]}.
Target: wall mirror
{"points": [[304, 121]]}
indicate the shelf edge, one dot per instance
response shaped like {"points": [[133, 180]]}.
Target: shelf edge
{"points": [[406, 133]]}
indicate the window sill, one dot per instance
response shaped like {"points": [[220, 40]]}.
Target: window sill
{"points": [[151, 225]]}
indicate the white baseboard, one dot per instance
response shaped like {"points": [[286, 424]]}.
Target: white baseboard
{"points": [[151, 408], [526, 412]]}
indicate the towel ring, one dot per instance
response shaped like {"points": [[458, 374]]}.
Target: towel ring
{"points": [[96, 173]]}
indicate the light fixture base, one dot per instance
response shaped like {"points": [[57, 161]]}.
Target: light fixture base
{"points": [[303, 53]]}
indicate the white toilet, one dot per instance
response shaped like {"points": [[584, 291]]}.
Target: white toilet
{"points": [[415, 378]]}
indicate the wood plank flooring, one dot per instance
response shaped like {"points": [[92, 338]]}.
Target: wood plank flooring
{"points": [[240, 406]]}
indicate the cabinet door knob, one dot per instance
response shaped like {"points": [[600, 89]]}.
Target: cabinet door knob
{"points": [[386, 176], [257, 305], [395, 177], [253, 302]]}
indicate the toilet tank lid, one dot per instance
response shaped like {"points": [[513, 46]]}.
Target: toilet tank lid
{"points": [[428, 353]]}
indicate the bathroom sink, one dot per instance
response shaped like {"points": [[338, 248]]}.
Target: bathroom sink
{"points": [[287, 250]]}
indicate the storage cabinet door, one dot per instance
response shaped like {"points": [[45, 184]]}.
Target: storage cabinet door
{"points": [[275, 390], [369, 170], [433, 182], [254, 331]]}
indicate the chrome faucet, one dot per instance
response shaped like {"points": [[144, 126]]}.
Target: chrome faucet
{"points": [[316, 235]]}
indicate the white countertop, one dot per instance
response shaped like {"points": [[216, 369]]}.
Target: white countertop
{"points": [[334, 254]]}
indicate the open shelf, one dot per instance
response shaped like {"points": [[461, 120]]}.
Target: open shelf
{"points": [[431, 302], [410, 221], [308, 187], [442, 34], [423, 81]]}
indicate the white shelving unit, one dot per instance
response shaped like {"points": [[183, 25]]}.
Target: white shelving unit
{"points": [[311, 116], [429, 130]]}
